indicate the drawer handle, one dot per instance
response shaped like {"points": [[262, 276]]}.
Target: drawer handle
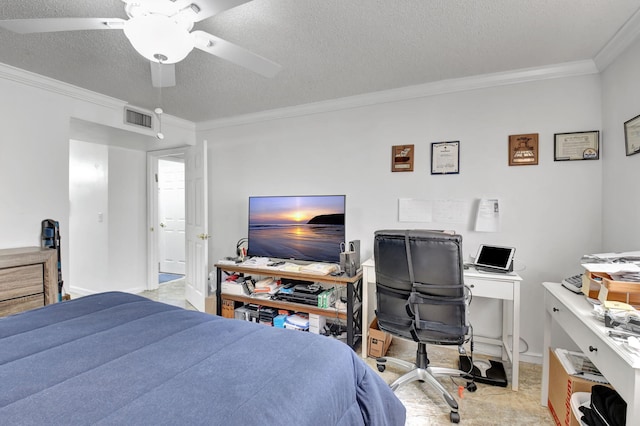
{"points": [[592, 349], [556, 309]]}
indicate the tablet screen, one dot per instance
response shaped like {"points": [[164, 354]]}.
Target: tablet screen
{"points": [[495, 257]]}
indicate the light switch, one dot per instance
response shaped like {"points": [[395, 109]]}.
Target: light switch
{"points": [[100, 216]]}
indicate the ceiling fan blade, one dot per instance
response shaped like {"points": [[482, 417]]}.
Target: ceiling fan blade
{"points": [[49, 25], [234, 53], [208, 8], [162, 75]]}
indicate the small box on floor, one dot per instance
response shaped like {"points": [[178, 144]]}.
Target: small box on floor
{"points": [[210, 305], [379, 341]]}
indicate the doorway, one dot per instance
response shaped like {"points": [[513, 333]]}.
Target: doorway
{"points": [[166, 213], [171, 218], [195, 224]]}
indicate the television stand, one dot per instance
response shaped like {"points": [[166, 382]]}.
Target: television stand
{"points": [[352, 316]]}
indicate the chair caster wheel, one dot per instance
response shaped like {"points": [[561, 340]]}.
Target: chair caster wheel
{"points": [[472, 387], [455, 417], [381, 367]]}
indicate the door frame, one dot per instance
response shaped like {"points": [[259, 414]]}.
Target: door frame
{"points": [[153, 259]]}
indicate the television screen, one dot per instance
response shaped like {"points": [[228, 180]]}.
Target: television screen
{"points": [[308, 228]]}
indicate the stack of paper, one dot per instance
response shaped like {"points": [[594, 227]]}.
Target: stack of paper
{"points": [[578, 364], [266, 285], [319, 268], [256, 261], [620, 266]]}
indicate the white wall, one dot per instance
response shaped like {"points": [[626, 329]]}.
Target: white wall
{"points": [[107, 223], [88, 217], [545, 208], [127, 220], [621, 194]]}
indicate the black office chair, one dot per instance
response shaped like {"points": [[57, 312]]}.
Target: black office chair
{"points": [[421, 296]]}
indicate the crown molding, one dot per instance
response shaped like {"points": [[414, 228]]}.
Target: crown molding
{"points": [[626, 35], [28, 78], [568, 69], [38, 81]]}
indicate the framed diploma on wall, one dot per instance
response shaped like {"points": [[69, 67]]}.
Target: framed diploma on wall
{"points": [[445, 158], [576, 146], [632, 135]]}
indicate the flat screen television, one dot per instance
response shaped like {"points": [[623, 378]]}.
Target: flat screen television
{"points": [[306, 228]]}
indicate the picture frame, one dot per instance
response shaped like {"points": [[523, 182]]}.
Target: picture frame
{"points": [[523, 149], [445, 158], [576, 146], [632, 136], [402, 158]]}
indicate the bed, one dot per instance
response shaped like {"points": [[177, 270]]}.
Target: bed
{"points": [[117, 358]]}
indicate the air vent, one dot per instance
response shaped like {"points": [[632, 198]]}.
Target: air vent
{"points": [[138, 118]]}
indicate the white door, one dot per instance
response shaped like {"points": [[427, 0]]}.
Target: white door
{"points": [[171, 207], [196, 225]]}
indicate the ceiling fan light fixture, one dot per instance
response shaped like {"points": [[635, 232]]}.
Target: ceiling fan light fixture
{"points": [[157, 37]]}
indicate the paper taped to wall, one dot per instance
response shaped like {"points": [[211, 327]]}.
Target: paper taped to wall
{"points": [[488, 215]]}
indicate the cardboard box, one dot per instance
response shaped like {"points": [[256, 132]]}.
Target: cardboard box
{"points": [[229, 308], [561, 387], [379, 341], [210, 305], [618, 291]]}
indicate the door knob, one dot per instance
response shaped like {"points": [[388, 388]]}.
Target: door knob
{"points": [[203, 236], [162, 225]]}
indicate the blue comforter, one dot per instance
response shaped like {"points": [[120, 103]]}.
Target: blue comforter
{"points": [[116, 358]]}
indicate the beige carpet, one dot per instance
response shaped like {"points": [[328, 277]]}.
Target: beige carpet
{"points": [[489, 405]]}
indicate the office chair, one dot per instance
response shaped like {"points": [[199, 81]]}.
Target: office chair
{"points": [[421, 296]]}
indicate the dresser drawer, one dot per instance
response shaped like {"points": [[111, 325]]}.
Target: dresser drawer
{"points": [[13, 306], [21, 281], [493, 289]]}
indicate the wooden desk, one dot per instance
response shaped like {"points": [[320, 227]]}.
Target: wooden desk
{"points": [[505, 287], [572, 312]]}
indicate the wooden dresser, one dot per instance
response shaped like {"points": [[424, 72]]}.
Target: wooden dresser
{"points": [[28, 279]]}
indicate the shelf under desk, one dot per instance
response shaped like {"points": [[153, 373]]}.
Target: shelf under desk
{"points": [[573, 313]]}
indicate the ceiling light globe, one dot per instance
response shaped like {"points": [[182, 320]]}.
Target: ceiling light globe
{"points": [[157, 37]]}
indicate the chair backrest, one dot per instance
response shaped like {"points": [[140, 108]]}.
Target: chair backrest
{"points": [[420, 286]]}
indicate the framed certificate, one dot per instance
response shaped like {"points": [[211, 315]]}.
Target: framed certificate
{"points": [[402, 158], [445, 158], [576, 146], [523, 149], [632, 135]]}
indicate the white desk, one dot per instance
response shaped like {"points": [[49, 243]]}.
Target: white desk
{"points": [[505, 287], [572, 312]]}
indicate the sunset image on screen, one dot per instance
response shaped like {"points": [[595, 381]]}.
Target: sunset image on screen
{"points": [[301, 228]]}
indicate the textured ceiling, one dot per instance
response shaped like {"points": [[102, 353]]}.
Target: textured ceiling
{"points": [[328, 48]]}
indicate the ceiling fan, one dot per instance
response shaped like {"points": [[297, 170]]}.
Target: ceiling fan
{"points": [[160, 31]]}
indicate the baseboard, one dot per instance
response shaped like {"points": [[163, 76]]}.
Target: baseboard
{"points": [[79, 291]]}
